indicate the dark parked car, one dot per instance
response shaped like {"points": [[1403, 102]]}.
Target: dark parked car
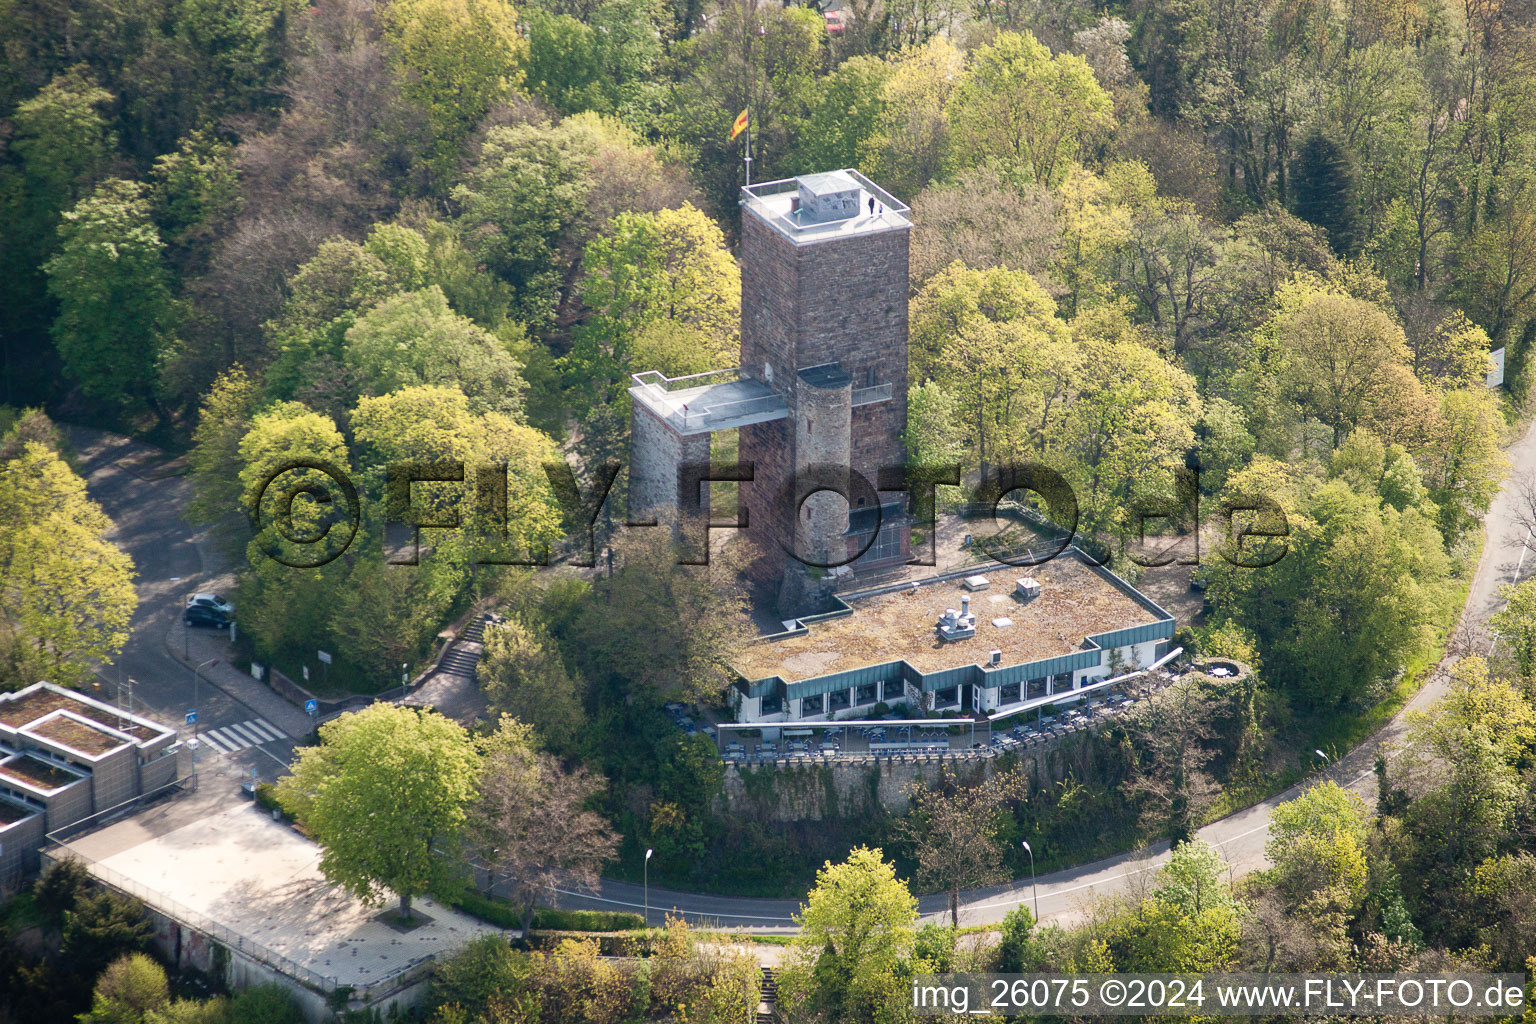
{"points": [[203, 615]]}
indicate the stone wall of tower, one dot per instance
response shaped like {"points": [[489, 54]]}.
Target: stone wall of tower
{"points": [[823, 439], [853, 311], [835, 300], [656, 452], [770, 449]]}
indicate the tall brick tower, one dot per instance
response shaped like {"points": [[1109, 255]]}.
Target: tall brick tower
{"points": [[822, 382], [824, 325]]}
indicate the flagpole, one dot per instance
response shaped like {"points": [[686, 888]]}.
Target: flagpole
{"points": [[748, 158]]}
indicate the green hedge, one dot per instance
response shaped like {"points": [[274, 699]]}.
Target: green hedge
{"points": [[497, 911], [586, 920], [489, 909]]}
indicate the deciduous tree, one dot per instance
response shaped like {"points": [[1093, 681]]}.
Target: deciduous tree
{"points": [[457, 58], [668, 628], [414, 339], [909, 147], [957, 833], [522, 675], [115, 305], [67, 595], [532, 822], [856, 939], [1025, 111], [386, 795]]}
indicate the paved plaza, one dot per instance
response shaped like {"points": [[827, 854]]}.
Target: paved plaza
{"points": [[259, 879]]}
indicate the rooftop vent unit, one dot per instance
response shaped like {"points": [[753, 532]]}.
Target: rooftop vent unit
{"points": [[1026, 589], [953, 625], [997, 657], [976, 583]]}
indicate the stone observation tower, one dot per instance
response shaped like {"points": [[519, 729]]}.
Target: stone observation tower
{"points": [[822, 385]]}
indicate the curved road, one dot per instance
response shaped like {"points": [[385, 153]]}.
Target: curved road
{"points": [[147, 513], [144, 495]]}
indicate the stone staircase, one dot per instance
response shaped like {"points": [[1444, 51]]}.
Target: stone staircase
{"points": [[767, 1012], [464, 652], [451, 687]]}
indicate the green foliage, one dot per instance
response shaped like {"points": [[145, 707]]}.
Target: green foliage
{"points": [[522, 674], [68, 593], [1324, 182], [457, 59], [1228, 640], [1195, 879], [59, 887], [681, 980], [477, 975], [659, 627], [934, 946], [597, 63], [60, 146], [1360, 580], [115, 307], [1317, 843], [680, 822], [499, 912], [1025, 111], [1159, 934], [526, 190], [131, 987], [385, 790], [191, 1011], [222, 422], [265, 1004], [586, 920], [910, 144], [1017, 948], [1464, 469], [1515, 625], [101, 926], [843, 113], [1504, 887], [648, 271], [983, 337], [857, 934], [414, 338], [762, 58], [196, 192]]}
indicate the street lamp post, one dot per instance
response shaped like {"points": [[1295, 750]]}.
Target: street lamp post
{"points": [[196, 677], [1032, 885], [647, 877]]}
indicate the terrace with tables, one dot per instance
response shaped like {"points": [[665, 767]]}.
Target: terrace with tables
{"points": [[896, 738]]}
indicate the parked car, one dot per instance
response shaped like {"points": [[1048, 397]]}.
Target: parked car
{"points": [[205, 615], [213, 602]]}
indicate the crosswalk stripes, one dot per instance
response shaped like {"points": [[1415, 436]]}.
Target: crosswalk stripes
{"points": [[230, 738]]}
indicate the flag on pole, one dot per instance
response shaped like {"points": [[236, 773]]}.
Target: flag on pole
{"points": [[740, 125]]}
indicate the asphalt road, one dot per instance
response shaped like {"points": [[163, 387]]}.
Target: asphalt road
{"points": [[128, 480], [146, 507]]}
